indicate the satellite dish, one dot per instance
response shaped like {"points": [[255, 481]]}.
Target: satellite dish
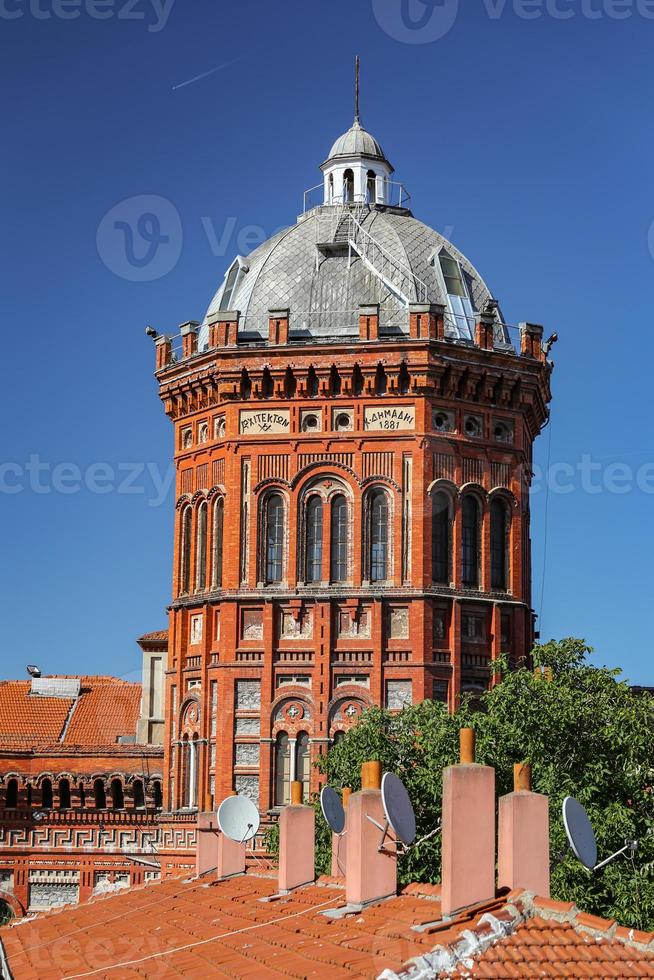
{"points": [[238, 818], [398, 809], [332, 809], [579, 832], [581, 836]]}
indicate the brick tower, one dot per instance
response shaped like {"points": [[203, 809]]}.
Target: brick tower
{"points": [[353, 427]]}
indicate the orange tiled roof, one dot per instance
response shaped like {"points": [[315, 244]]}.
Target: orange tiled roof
{"points": [[158, 636], [106, 708], [200, 929]]}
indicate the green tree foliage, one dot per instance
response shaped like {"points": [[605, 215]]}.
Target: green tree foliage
{"points": [[584, 733]]}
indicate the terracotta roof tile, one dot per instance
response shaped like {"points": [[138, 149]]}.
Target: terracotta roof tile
{"points": [[158, 636], [195, 928], [106, 708]]}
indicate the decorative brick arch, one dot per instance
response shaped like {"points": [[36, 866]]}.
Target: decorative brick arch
{"points": [[16, 907]]}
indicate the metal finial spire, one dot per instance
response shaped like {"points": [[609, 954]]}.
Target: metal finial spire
{"points": [[357, 71]]}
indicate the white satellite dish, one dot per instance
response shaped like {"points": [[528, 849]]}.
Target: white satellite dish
{"points": [[332, 809], [581, 836], [398, 809], [238, 818]]}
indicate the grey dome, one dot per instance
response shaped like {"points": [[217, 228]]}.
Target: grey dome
{"points": [[357, 142], [324, 291]]}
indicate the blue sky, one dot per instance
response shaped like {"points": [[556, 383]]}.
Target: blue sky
{"points": [[521, 130]]}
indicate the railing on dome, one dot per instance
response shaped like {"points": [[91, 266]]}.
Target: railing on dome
{"points": [[395, 196]]}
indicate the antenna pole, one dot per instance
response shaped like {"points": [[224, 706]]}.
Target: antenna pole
{"points": [[630, 845], [357, 72]]}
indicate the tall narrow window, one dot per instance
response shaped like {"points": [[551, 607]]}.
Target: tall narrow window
{"points": [[470, 541], [201, 550], [314, 540], [99, 795], [282, 770], [218, 522], [11, 796], [302, 764], [371, 187], [498, 545], [339, 539], [330, 189], [185, 552], [117, 795], [46, 794], [458, 296], [312, 382], [348, 187], [157, 795], [274, 538], [378, 519], [138, 795], [440, 537], [64, 794]]}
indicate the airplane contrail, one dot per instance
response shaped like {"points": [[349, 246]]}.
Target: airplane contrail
{"points": [[196, 78]]}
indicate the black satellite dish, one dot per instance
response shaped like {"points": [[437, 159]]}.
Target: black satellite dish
{"points": [[398, 808], [399, 815], [332, 809]]}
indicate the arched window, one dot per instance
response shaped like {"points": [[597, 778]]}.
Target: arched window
{"points": [[64, 794], [371, 187], [330, 189], [290, 384], [470, 526], [339, 539], [282, 770], [348, 187], [157, 795], [218, 523], [82, 795], [185, 551], [99, 795], [334, 381], [274, 538], [267, 384], [201, 549], [303, 764], [11, 795], [46, 794], [138, 795], [312, 382], [440, 538], [246, 385], [378, 536], [357, 380], [117, 795], [314, 540], [338, 737], [381, 381], [404, 379], [499, 524]]}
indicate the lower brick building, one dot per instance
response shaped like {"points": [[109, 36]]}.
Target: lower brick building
{"points": [[80, 798]]}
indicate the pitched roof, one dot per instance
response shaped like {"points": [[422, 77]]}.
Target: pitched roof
{"points": [[199, 928], [106, 708], [158, 636]]}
